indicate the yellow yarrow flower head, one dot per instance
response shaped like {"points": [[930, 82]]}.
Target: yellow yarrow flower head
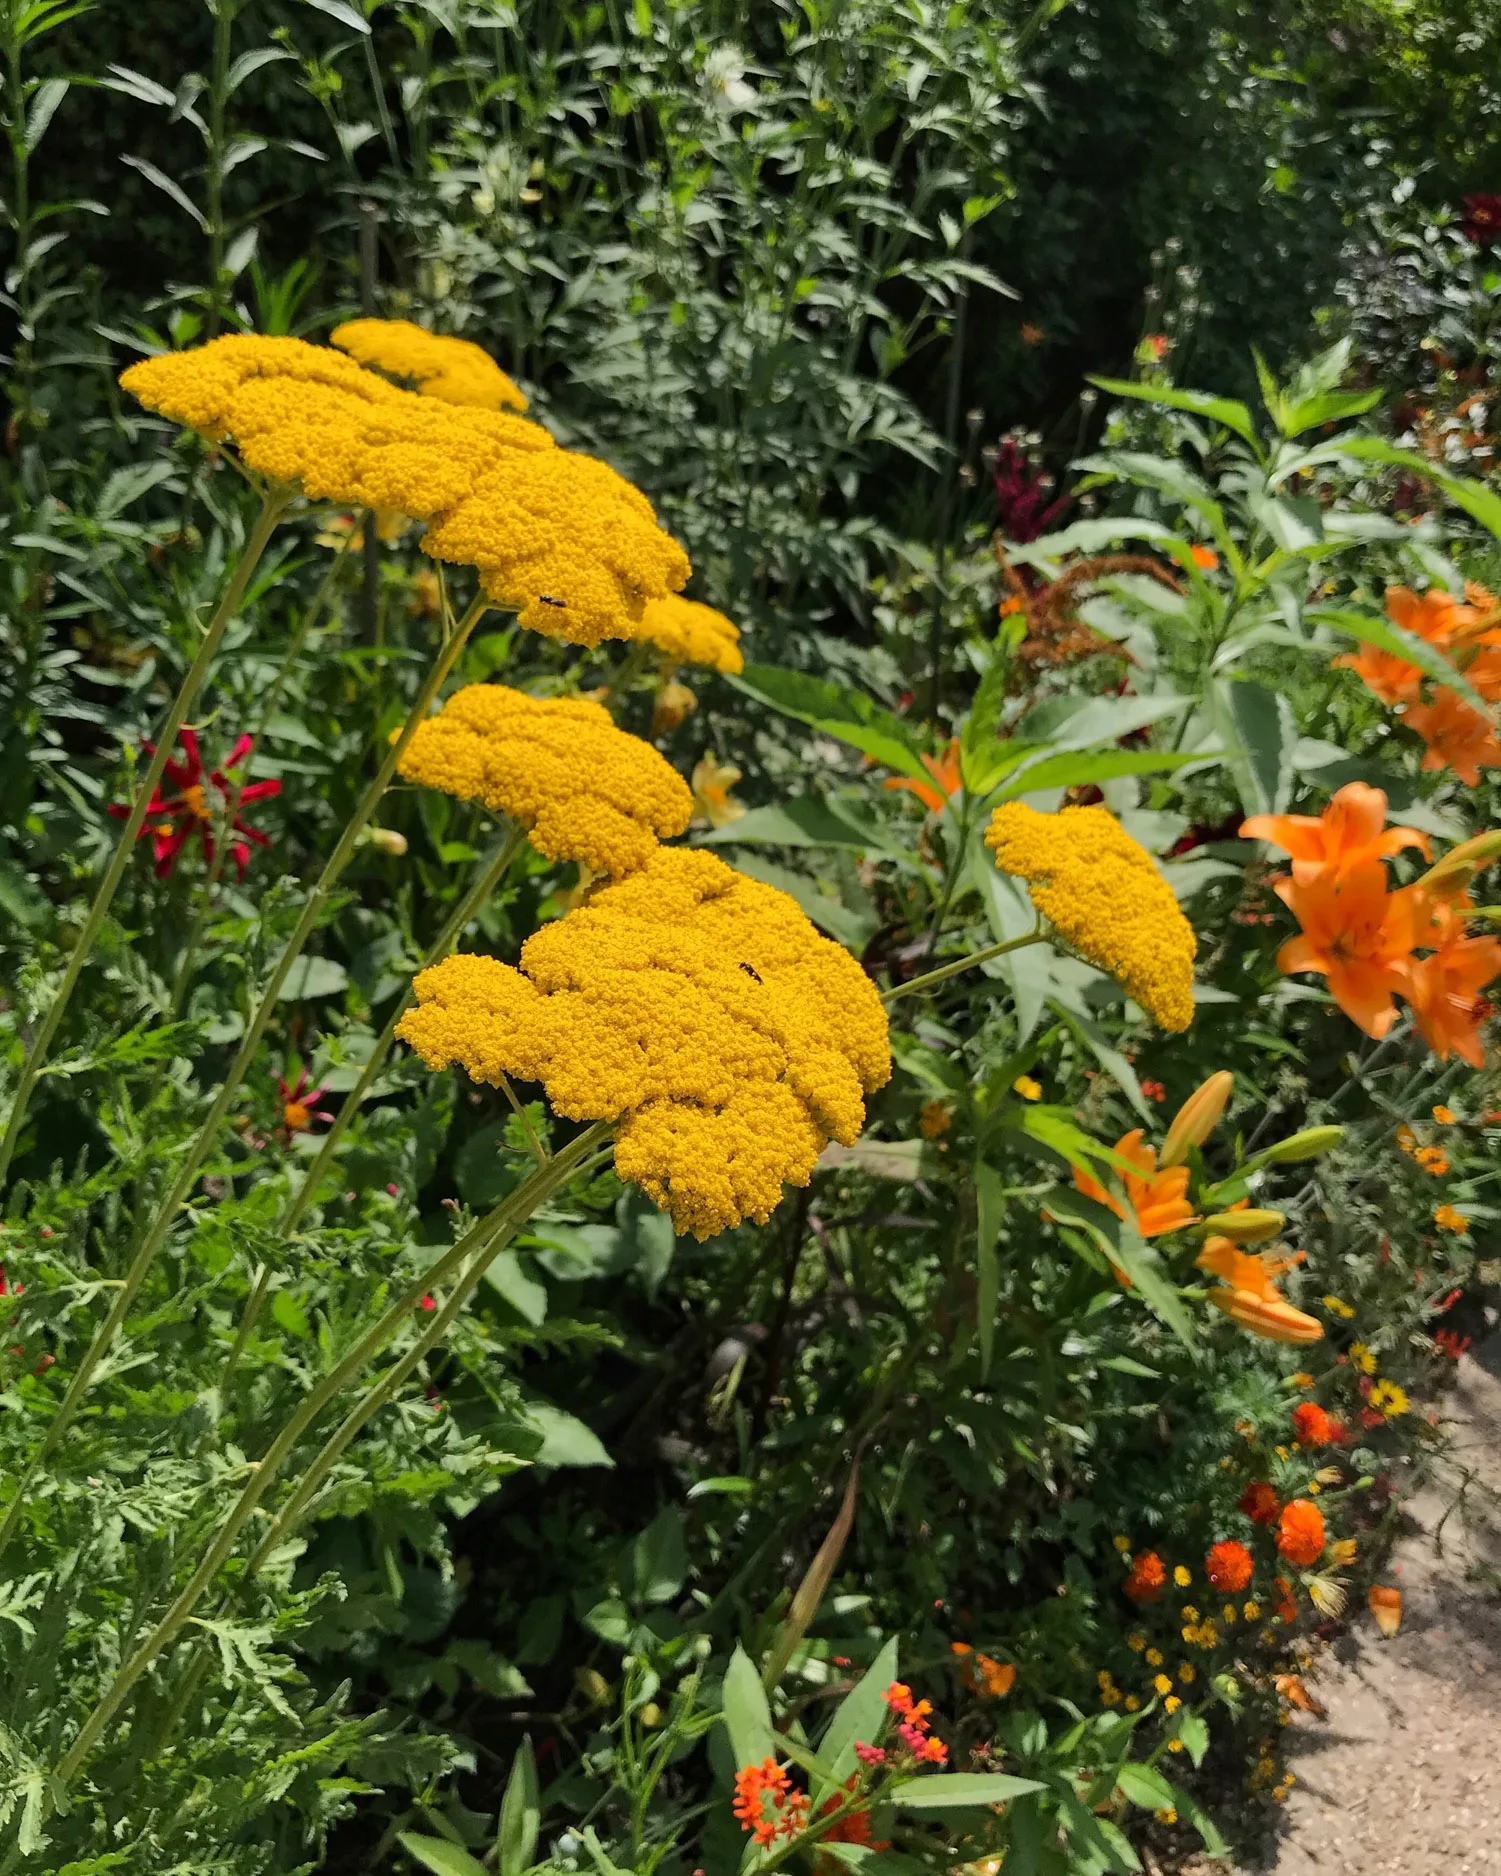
{"points": [[583, 789], [455, 370], [1101, 891], [691, 633], [559, 537], [699, 1010]]}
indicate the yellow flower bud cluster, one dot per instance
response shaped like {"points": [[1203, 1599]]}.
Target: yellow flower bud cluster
{"points": [[582, 788], [455, 370], [562, 538], [1101, 891], [699, 1010], [691, 633]]}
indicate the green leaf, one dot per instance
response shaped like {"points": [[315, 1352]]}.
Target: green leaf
{"points": [[1260, 736], [1072, 723], [946, 1791], [1192, 1812], [1123, 1245], [1075, 768], [520, 1814], [806, 822], [1224, 410], [167, 187], [565, 1440], [659, 1559], [858, 1717], [990, 1207], [440, 1856], [1144, 1785], [1194, 1734], [881, 1159], [1171, 477], [44, 102], [747, 1713], [313, 977], [514, 1284], [836, 711], [1474, 497], [342, 11]]}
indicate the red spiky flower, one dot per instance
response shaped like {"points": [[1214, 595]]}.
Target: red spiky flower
{"points": [[184, 806]]}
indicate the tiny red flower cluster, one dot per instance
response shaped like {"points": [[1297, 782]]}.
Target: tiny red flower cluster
{"points": [[912, 1727]]}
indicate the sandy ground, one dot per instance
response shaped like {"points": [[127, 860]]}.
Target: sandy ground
{"points": [[1404, 1777]]}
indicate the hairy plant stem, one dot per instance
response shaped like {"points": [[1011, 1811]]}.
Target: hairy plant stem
{"points": [[484, 885], [944, 971], [273, 505], [203, 1142], [489, 1235]]}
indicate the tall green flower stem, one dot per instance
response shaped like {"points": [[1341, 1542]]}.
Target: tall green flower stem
{"points": [[187, 1176], [477, 894], [486, 1238], [945, 971], [273, 506]]}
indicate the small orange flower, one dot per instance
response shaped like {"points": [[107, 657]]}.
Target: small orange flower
{"points": [[1351, 829], [1386, 1606], [1300, 1532], [1148, 1575], [983, 1673], [1448, 1218], [1158, 1200], [854, 1828], [1229, 1567], [1458, 736], [1259, 1502], [758, 1787], [1204, 557], [1313, 1426], [1287, 1609], [944, 770]]}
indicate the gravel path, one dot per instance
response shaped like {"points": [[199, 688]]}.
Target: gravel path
{"points": [[1404, 1777]]}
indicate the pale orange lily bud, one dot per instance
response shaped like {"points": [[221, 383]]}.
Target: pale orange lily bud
{"points": [[1197, 1118], [1386, 1606], [1245, 1226]]}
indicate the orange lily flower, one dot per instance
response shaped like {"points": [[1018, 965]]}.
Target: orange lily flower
{"points": [[1435, 616], [1458, 736], [1445, 989], [944, 770], [1358, 935], [1351, 829], [1158, 1200], [1249, 1295]]}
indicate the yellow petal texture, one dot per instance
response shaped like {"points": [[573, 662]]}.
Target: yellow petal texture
{"points": [[1101, 891], [562, 538], [691, 633], [582, 788], [455, 370], [699, 1010]]}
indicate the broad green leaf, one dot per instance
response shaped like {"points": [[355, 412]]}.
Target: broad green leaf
{"points": [[1376, 629], [520, 1814], [947, 1791], [1075, 768], [659, 1559], [1327, 407], [838, 712], [1069, 723], [514, 1284], [881, 1159], [565, 1440], [1474, 497], [1260, 736], [747, 1715], [990, 1208], [440, 1856], [313, 977], [1144, 1785], [1123, 1245], [1191, 1811], [1194, 1734], [1224, 410], [858, 1717], [808, 821], [1088, 537], [1171, 477]]}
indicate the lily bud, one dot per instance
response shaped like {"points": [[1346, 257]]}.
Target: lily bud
{"points": [[1460, 864], [1197, 1118], [1306, 1145], [387, 839], [1245, 1226], [593, 1686]]}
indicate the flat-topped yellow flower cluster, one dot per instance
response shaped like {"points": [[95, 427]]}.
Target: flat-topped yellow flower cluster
{"points": [[698, 1010], [457, 371], [691, 633], [1102, 893], [558, 766], [562, 538]]}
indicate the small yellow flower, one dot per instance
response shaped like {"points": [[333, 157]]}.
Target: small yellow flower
{"points": [[1445, 1116], [1167, 1815], [1163, 1684], [1252, 1611], [1187, 1673], [1172, 1703], [1031, 1090], [1190, 1613], [1450, 1218], [1133, 1704], [1388, 1398], [1105, 1678], [1136, 1643], [1111, 1696], [1175, 1745], [935, 1119], [1338, 1308], [1344, 1551], [1282, 1452], [1154, 1657], [1182, 1576], [1190, 1634], [1363, 1358], [1122, 1544], [1313, 1488], [1229, 1612]]}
